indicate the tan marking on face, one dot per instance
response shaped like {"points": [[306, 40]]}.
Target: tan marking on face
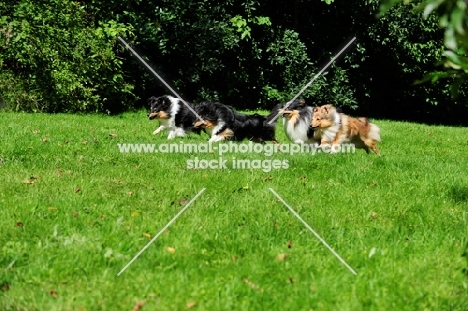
{"points": [[153, 115], [162, 115], [326, 123], [199, 124], [285, 113], [316, 120], [207, 125], [294, 117], [323, 117]]}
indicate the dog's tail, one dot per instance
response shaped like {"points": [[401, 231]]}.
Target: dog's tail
{"points": [[374, 132]]}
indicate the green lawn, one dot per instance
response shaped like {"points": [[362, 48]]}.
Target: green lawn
{"points": [[74, 211]]}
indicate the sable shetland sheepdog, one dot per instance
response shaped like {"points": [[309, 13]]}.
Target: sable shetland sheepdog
{"points": [[173, 115], [296, 122], [222, 122], [331, 127]]}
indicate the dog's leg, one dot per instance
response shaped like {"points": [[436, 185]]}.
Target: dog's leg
{"points": [[159, 129], [216, 138], [277, 145], [369, 143], [223, 133], [374, 148], [179, 132], [335, 148], [172, 133], [257, 140], [340, 138], [324, 145]]}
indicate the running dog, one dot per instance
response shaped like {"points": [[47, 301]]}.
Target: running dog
{"points": [[296, 122], [222, 122], [172, 115], [331, 127]]}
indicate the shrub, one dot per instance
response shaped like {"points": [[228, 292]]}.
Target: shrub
{"points": [[53, 59]]}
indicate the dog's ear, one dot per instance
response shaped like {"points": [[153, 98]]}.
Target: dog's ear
{"points": [[316, 109], [277, 107], [325, 108]]}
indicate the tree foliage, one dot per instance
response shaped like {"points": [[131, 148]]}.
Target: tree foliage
{"points": [[55, 59], [63, 56], [453, 18]]}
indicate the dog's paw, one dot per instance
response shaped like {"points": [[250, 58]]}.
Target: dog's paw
{"points": [[158, 130], [179, 132], [216, 138]]}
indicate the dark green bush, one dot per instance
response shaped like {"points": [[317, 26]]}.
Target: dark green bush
{"points": [[54, 59], [62, 55]]}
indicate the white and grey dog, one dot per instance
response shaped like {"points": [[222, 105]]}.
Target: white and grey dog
{"points": [[296, 122]]}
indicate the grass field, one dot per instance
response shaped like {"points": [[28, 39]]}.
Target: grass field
{"points": [[74, 211]]}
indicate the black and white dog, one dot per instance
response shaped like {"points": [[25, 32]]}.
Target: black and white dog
{"points": [[296, 122], [172, 115], [222, 122]]}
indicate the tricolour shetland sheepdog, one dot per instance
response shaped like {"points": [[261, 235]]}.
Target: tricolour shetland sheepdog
{"points": [[172, 115], [296, 122], [331, 127], [222, 122]]}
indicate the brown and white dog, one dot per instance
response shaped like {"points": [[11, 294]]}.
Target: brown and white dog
{"points": [[331, 127]]}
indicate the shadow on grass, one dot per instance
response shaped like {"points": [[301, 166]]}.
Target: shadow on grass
{"points": [[459, 193]]}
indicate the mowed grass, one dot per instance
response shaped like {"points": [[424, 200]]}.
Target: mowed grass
{"points": [[75, 210]]}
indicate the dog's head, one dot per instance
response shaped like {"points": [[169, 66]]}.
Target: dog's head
{"points": [[204, 111], [323, 116], [160, 107], [212, 114], [293, 109], [207, 124]]}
